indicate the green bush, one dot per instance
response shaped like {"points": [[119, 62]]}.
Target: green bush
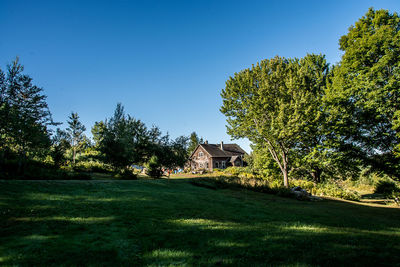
{"points": [[248, 180], [218, 172], [331, 189], [386, 187], [233, 171], [92, 166], [153, 167]]}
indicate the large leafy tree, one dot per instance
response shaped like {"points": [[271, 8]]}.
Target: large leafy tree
{"points": [[76, 134], [24, 113], [277, 105], [122, 139], [363, 99]]}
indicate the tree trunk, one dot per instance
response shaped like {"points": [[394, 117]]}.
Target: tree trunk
{"points": [[316, 175], [285, 178], [73, 155], [21, 162], [285, 169], [282, 162]]}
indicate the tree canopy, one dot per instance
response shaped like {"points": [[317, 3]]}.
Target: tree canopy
{"points": [[276, 104], [363, 99], [24, 113]]}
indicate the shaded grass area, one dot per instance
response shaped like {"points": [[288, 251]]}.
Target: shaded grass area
{"points": [[160, 222]]}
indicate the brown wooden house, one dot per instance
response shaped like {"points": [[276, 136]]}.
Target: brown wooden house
{"points": [[211, 156]]}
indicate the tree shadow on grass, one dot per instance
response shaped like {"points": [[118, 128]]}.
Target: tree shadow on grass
{"points": [[174, 223]]}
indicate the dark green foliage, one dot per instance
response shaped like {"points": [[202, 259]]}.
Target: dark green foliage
{"points": [[36, 170], [362, 100], [386, 187], [92, 166], [59, 147], [121, 139], [153, 167], [170, 153], [179, 151], [126, 174], [24, 115], [76, 135]]}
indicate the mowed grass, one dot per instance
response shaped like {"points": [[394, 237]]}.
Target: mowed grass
{"points": [[174, 223]]}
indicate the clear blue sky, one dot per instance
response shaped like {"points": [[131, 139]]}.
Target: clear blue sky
{"points": [[165, 61]]}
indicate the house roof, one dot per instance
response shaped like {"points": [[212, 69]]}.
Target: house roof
{"points": [[229, 150]]}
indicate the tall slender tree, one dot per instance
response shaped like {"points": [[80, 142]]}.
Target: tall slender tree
{"points": [[75, 132]]}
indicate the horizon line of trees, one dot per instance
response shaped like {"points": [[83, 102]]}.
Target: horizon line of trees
{"points": [[120, 141]]}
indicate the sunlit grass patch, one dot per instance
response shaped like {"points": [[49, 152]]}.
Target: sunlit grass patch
{"points": [[231, 244], [66, 219], [168, 257], [39, 237], [168, 253], [206, 224], [311, 228]]}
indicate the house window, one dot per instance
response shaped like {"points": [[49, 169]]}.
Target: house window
{"points": [[217, 164], [201, 165], [207, 165], [201, 154], [223, 165]]}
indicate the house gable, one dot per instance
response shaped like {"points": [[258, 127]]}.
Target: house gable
{"points": [[200, 159], [209, 156], [198, 149]]}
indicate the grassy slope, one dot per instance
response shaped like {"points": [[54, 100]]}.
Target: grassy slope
{"points": [[158, 222]]}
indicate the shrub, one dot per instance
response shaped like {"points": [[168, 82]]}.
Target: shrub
{"points": [[305, 184], [233, 171], [331, 189], [218, 172], [92, 166], [275, 186], [153, 167], [386, 187]]}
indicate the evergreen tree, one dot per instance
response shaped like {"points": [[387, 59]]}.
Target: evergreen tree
{"points": [[24, 114], [194, 141], [75, 132]]}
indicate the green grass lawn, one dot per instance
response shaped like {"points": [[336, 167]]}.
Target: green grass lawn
{"points": [[160, 222]]}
